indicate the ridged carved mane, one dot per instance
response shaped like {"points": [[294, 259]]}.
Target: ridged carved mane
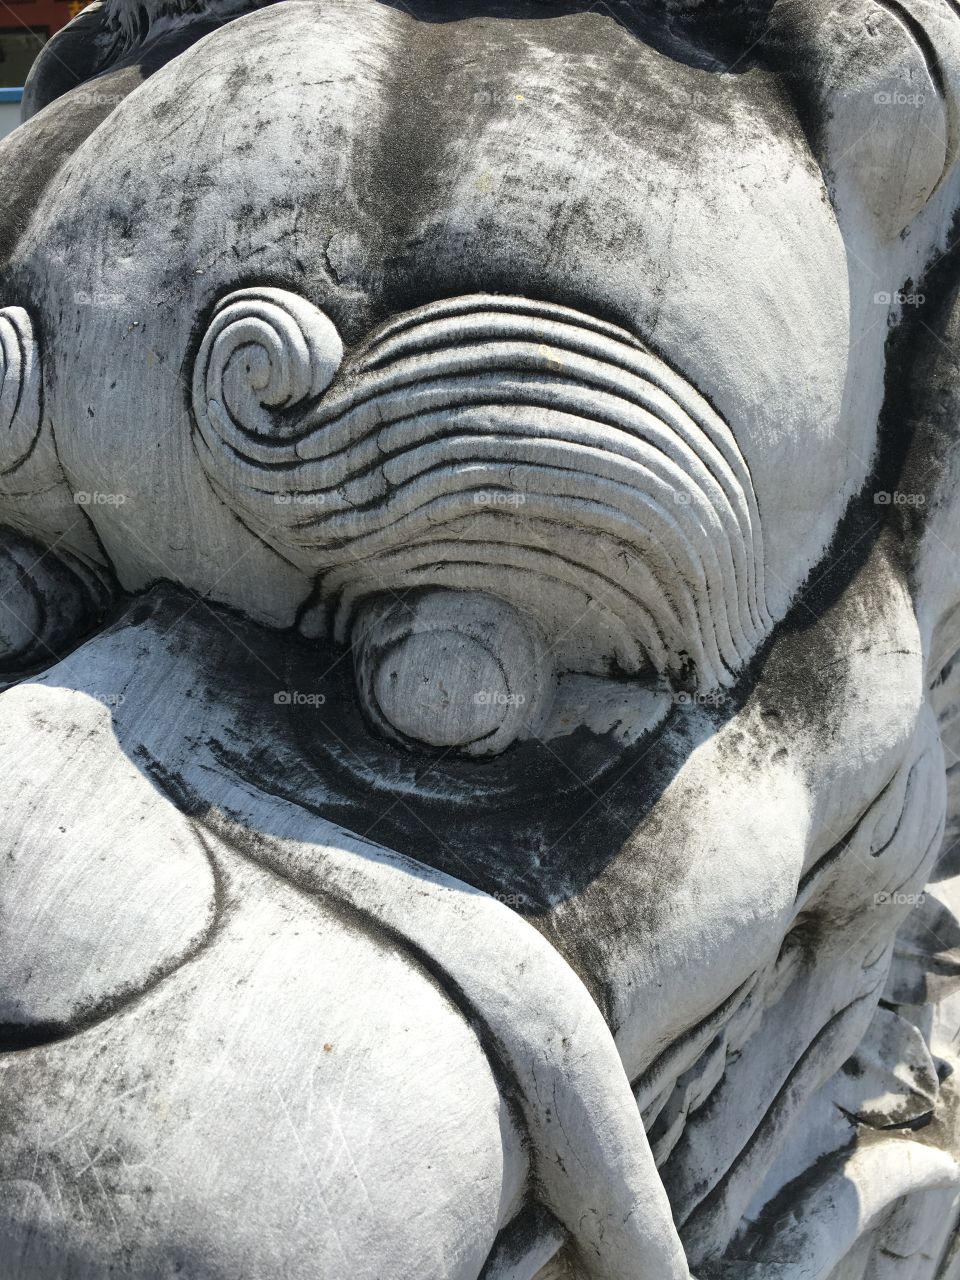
{"points": [[494, 444]]}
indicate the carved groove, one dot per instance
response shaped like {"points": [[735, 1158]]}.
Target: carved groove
{"points": [[19, 388]]}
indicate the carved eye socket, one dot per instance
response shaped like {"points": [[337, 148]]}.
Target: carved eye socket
{"points": [[451, 670]]}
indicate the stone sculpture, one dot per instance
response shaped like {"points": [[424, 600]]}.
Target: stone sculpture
{"points": [[480, 604]]}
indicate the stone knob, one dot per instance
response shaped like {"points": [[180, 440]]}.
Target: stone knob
{"points": [[451, 670]]}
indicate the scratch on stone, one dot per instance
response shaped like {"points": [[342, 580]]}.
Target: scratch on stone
{"points": [[313, 1173]]}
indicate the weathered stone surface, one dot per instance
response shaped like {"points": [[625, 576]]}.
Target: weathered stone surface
{"points": [[479, 616]]}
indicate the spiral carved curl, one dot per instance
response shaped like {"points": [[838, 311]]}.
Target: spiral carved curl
{"points": [[265, 351]]}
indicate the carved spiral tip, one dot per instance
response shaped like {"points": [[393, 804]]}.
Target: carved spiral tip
{"points": [[265, 351], [19, 387], [451, 670]]}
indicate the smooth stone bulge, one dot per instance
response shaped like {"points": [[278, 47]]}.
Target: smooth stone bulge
{"points": [[451, 670]]}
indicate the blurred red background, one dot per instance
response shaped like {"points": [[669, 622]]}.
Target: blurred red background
{"points": [[25, 26]]}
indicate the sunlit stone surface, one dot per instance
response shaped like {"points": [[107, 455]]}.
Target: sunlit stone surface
{"points": [[479, 617]]}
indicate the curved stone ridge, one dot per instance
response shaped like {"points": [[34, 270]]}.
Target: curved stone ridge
{"points": [[19, 388], [468, 442]]}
